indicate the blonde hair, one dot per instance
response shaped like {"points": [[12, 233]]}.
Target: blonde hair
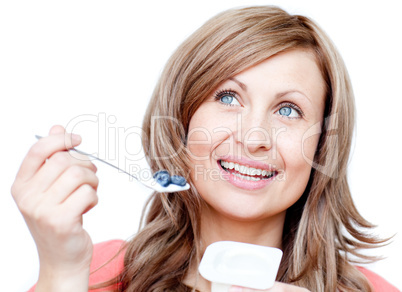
{"points": [[321, 230]]}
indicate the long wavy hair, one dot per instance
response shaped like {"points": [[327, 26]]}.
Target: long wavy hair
{"points": [[323, 231]]}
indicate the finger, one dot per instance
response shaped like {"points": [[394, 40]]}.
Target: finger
{"points": [[87, 160], [57, 129], [71, 180], [42, 150], [55, 166], [81, 201], [243, 289], [276, 287]]}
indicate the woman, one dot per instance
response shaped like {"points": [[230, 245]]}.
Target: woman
{"points": [[260, 114]]}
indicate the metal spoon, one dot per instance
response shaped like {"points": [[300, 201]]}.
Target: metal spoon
{"points": [[149, 183]]}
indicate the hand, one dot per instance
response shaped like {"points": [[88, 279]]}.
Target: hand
{"points": [[278, 287], [53, 190]]}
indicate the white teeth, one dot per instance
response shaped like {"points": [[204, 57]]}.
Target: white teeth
{"points": [[231, 165], [247, 177], [250, 171], [255, 171]]}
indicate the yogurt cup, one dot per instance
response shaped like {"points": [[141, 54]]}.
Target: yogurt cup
{"points": [[227, 263]]}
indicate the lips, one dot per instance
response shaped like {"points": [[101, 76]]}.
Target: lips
{"points": [[247, 174]]}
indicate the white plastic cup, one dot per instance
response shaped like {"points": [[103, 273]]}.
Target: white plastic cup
{"points": [[227, 263]]}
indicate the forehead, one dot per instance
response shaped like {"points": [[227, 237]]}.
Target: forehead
{"points": [[296, 66], [294, 70]]}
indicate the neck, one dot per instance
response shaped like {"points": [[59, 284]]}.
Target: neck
{"points": [[216, 227]]}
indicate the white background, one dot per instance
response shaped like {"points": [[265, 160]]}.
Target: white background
{"points": [[60, 60]]}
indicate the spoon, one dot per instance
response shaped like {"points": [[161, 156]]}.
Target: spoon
{"points": [[149, 183]]}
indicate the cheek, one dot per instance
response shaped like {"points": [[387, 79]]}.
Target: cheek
{"points": [[297, 163], [208, 136], [199, 136], [297, 150], [198, 142], [202, 144]]}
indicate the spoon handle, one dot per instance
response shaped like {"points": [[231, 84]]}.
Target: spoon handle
{"points": [[97, 158], [150, 183]]}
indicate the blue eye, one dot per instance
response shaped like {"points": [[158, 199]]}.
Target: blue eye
{"points": [[290, 111], [285, 111], [227, 97]]}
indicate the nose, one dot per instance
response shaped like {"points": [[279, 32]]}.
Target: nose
{"points": [[255, 133]]}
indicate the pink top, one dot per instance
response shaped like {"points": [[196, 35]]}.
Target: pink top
{"points": [[104, 251], [102, 254]]}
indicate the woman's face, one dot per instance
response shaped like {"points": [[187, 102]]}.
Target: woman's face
{"points": [[249, 141]]}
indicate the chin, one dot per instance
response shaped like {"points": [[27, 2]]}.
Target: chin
{"points": [[242, 213]]}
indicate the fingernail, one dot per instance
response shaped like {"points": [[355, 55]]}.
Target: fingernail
{"points": [[235, 289]]}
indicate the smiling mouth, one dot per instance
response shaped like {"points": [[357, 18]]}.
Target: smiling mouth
{"points": [[245, 172]]}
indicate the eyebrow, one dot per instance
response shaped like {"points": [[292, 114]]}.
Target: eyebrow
{"points": [[282, 94], [277, 96], [241, 84]]}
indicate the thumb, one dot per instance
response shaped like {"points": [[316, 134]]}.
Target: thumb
{"points": [[57, 129]]}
